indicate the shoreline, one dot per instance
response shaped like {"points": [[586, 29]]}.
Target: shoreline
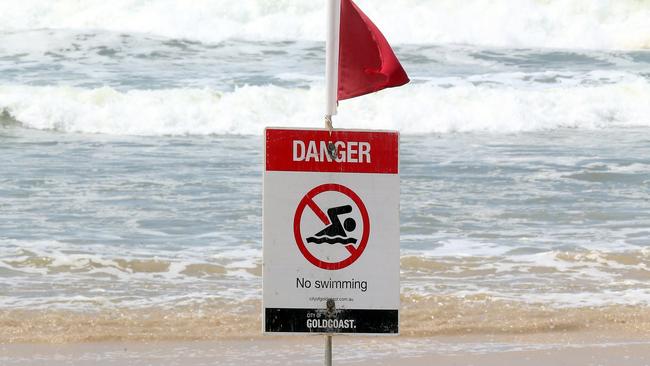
{"points": [[420, 317], [579, 348]]}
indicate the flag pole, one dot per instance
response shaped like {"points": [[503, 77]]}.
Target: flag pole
{"points": [[332, 59], [331, 99]]}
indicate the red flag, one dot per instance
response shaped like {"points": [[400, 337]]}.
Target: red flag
{"points": [[366, 62]]}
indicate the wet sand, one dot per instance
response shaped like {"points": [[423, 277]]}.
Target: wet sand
{"points": [[529, 350], [435, 330], [420, 317]]}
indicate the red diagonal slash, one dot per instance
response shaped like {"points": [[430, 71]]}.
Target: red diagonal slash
{"points": [[321, 215]]}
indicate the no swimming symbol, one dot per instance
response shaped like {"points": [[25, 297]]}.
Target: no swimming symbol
{"points": [[334, 232]]}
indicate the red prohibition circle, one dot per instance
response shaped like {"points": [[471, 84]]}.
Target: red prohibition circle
{"points": [[354, 253]]}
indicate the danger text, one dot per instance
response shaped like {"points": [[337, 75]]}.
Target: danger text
{"points": [[343, 152]]}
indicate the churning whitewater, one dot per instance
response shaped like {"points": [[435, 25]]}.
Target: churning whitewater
{"points": [[169, 68], [571, 24], [430, 107]]}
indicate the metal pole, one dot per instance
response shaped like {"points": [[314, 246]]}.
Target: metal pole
{"points": [[328, 351], [331, 82], [332, 55]]}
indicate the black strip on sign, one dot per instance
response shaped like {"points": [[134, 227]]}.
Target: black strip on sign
{"points": [[280, 320]]}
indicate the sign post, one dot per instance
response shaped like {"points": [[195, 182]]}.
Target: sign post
{"points": [[331, 232], [332, 44]]}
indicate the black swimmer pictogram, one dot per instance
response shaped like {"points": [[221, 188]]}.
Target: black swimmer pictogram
{"points": [[336, 233]]}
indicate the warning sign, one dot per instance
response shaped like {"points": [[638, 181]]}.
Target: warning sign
{"points": [[331, 231]]}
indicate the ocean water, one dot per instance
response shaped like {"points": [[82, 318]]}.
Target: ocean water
{"points": [[131, 162]]}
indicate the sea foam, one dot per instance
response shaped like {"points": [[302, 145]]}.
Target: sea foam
{"points": [[587, 24], [422, 108]]}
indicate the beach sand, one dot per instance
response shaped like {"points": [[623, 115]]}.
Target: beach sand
{"points": [[541, 349], [435, 330]]}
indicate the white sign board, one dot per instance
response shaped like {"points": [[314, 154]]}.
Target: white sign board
{"points": [[331, 231]]}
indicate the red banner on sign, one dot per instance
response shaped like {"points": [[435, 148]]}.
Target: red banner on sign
{"points": [[339, 152]]}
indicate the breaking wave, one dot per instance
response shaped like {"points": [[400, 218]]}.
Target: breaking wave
{"points": [[415, 109], [593, 24]]}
